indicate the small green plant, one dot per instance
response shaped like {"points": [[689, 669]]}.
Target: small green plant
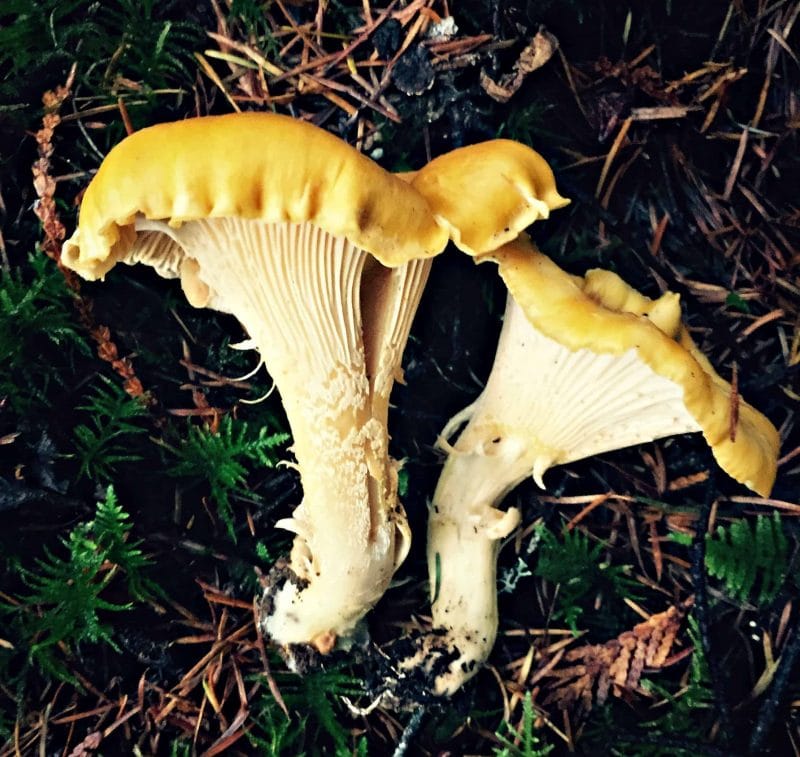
{"points": [[315, 695], [221, 459], [250, 14], [154, 50], [575, 564], [743, 555], [274, 733], [699, 694], [529, 744], [263, 553], [36, 318], [35, 33], [689, 713], [530, 125], [105, 440], [111, 527], [134, 39], [402, 483], [180, 748], [65, 601], [735, 300]]}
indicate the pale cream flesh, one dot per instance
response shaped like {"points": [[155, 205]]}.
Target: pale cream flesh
{"points": [[542, 405], [297, 290]]}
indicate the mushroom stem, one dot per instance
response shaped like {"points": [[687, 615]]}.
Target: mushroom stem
{"points": [[465, 532], [296, 289]]}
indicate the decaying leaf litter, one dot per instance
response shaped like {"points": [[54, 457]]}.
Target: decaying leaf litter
{"points": [[676, 140]]}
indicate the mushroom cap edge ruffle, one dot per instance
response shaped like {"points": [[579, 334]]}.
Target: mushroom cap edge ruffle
{"points": [[600, 312], [252, 166]]}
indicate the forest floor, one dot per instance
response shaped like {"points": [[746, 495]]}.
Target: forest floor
{"points": [[129, 562]]}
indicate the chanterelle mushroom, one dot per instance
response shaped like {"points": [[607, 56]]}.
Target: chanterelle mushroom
{"points": [[583, 366], [486, 194], [322, 256]]}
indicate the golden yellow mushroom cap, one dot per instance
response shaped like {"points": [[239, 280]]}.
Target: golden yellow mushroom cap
{"points": [[601, 313], [486, 194], [252, 166]]}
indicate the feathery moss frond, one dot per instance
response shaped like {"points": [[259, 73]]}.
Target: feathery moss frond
{"points": [[575, 564], [742, 556], [313, 703], [65, 604], [36, 318], [221, 459], [530, 744], [106, 439]]}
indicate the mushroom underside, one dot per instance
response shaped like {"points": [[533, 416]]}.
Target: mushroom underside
{"points": [[550, 405], [542, 405], [301, 294]]}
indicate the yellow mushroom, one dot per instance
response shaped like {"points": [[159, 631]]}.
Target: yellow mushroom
{"points": [[486, 194], [322, 256], [583, 366], [635, 373]]}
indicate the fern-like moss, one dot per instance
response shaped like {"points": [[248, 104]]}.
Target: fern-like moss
{"points": [[106, 439], [315, 711], [36, 318], [221, 460], [751, 559], [66, 604], [575, 564], [522, 741], [124, 48]]}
